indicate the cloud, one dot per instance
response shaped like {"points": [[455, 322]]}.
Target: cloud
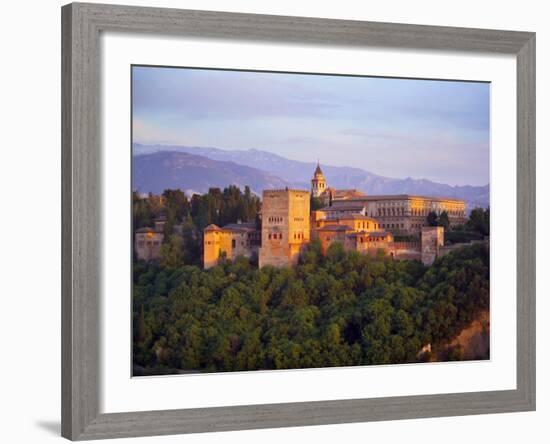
{"points": [[395, 127], [207, 94], [148, 133]]}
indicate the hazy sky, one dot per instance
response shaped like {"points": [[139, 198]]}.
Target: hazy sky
{"points": [[436, 130]]}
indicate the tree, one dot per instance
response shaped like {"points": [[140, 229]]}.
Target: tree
{"points": [[443, 221], [315, 203], [432, 219], [142, 328], [141, 211], [479, 221], [342, 308], [439, 221], [171, 253], [176, 204]]}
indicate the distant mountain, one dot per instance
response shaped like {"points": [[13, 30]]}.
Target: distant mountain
{"points": [[298, 174], [161, 170]]}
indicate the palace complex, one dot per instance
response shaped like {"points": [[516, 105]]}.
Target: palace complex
{"points": [[362, 223], [399, 213]]}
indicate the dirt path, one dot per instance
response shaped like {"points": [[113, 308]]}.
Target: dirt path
{"points": [[471, 344]]}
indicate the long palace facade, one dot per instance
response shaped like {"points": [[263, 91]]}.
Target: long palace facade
{"points": [[362, 223]]}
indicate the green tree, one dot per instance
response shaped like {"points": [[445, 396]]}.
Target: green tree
{"points": [[479, 221], [171, 253], [341, 309], [432, 219], [316, 203], [443, 221]]}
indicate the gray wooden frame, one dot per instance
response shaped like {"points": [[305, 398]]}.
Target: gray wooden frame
{"points": [[81, 167]]}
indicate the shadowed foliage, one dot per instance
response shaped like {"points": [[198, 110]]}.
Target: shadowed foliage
{"points": [[336, 310]]}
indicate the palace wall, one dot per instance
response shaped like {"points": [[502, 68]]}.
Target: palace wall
{"points": [[431, 241], [361, 223], [147, 244], [404, 214], [231, 241], [285, 226]]}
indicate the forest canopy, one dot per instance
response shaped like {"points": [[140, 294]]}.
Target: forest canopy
{"points": [[338, 309]]}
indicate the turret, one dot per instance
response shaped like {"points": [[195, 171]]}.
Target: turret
{"points": [[318, 183]]}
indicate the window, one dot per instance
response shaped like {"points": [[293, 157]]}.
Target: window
{"points": [[269, 236], [233, 243]]}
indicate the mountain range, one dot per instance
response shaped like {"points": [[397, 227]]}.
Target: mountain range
{"points": [[195, 169], [162, 170]]}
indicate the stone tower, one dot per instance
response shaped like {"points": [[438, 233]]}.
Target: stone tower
{"points": [[431, 239], [318, 183], [285, 226]]}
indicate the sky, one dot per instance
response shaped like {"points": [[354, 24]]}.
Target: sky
{"points": [[425, 129]]}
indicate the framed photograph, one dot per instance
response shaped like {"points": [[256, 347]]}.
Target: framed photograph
{"points": [[278, 221]]}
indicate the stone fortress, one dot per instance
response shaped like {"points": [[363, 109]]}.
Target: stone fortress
{"points": [[400, 213], [362, 223]]}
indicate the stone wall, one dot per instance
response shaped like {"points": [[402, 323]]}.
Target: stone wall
{"points": [[227, 242], [431, 240], [285, 226], [147, 244], [407, 214], [216, 242]]}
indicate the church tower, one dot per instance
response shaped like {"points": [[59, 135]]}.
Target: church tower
{"points": [[318, 183]]}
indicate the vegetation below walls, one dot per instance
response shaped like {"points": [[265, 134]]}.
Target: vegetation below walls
{"points": [[336, 310]]}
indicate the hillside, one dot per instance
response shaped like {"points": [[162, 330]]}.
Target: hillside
{"points": [[170, 169], [298, 174]]}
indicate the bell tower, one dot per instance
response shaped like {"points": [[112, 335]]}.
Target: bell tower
{"points": [[318, 183]]}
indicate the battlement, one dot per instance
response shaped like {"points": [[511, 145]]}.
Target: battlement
{"points": [[285, 191]]}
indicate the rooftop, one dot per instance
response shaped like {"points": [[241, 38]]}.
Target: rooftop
{"points": [[369, 233], [356, 217], [318, 170], [343, 207], [346, 193], [147, 230], [284, 190], [404, 197], [335, 227], [243, 226]]}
